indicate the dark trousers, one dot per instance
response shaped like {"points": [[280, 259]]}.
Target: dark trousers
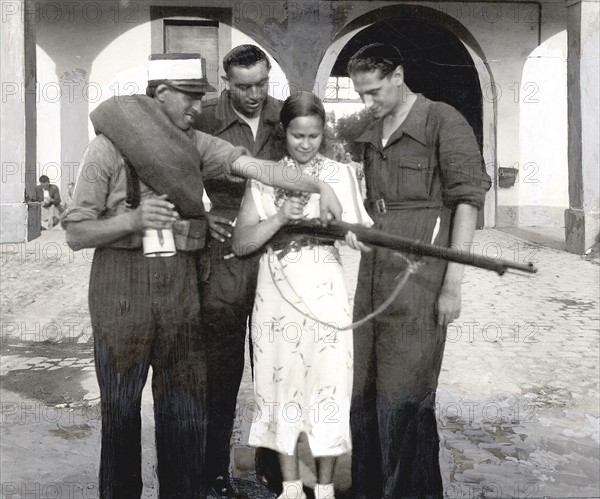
{"points": [[227, 299], [397, 361], [145, 312]]}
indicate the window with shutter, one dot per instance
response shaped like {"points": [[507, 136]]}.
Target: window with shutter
{"points": [[184, 36]]}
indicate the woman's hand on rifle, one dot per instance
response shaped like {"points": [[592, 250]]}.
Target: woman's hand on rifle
{"points": [[291, 210]]}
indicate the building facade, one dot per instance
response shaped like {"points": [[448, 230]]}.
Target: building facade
{"points": [[525, 75]]}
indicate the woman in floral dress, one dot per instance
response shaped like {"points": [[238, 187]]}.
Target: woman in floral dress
{"points": [[302, 361]]}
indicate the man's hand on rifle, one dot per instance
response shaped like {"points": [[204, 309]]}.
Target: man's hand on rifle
{"points": [[354, 243]]}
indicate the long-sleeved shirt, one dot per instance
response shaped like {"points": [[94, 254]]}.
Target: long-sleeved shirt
{"points": [[218, 118], [101, 188]]}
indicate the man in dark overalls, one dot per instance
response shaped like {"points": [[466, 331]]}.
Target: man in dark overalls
{"points": [[244, 115], [425, 181]]}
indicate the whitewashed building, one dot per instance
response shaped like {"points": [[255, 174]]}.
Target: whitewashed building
{"points": [[524, 73]]}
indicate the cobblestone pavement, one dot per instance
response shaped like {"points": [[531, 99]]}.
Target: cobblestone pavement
{"points": [[518, 402]]}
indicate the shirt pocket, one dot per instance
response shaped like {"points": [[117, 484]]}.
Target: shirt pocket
{"points": [[412, 177]]}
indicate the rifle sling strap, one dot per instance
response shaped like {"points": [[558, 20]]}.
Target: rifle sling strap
{"points": [[133, 186]]}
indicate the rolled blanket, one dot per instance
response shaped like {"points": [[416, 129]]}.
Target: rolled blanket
{"points": [[165, 157]]}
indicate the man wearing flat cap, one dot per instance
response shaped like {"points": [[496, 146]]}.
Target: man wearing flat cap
{"points": [[142, 172]]}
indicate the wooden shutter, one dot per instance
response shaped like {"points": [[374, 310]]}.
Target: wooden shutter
{"points": [[195, 36]]}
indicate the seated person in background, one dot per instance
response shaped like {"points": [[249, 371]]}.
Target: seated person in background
{"points": [[302, 362], [49, 196]]}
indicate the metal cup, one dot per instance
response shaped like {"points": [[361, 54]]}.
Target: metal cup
{"points": [[158, 242]]}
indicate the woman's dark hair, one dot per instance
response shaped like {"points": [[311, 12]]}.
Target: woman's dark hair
{"points": [[301, 104]]}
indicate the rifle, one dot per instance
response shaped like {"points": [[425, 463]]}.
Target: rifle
{"points": [[338, 230]]}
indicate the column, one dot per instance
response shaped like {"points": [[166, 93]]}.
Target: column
{"points": [[19, 220], [581, 219]]}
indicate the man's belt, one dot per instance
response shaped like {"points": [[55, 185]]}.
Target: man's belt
{"points": [[189, 235], [381, 206]]}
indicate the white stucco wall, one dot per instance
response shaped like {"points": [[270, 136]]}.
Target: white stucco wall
{"points": [[590, 84], [506, 35], [114, 59], [48, 98], [543, 177], [506, 43], [110, 57]]}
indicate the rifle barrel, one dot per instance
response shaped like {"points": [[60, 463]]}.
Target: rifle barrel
{"points": [[376, 237]]}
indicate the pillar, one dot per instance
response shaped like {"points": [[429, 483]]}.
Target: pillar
{"points": [[19, 220], [581, 219]]}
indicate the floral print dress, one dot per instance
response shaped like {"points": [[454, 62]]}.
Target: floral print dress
{"points": [[303, 369]]}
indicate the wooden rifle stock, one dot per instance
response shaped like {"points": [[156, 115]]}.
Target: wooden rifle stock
{"points": [[338, 230]]}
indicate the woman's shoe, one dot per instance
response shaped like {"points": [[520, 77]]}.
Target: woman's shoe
{"points": [[292, 490], [324, 491]]}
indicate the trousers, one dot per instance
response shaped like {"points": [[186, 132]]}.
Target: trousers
{"points": [[227, 295], [145, 313], [397, 362]]}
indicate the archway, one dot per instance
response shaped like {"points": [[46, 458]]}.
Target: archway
{"points": [[89, 59], [445, 63]]}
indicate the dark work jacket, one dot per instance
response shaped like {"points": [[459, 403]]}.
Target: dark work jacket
{"points": [[428, 166], [219, 119]]}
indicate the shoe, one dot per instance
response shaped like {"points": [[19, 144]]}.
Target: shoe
{"points": [[292, 490], [221, 488], [283, 496], [324, 491]]}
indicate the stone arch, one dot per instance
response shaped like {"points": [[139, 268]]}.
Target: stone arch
{"points": [[86, 49], [486, 125]]}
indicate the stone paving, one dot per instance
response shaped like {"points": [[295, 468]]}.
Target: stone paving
{"points": [[518, 401]]}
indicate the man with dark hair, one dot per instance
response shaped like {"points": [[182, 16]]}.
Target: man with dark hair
{"points": [[425, 181], [244, 56], [244, 115], [49, 196], [142, 174]]}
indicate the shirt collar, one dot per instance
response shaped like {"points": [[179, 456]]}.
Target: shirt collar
{"points": [[224, 111], [413, 125]]}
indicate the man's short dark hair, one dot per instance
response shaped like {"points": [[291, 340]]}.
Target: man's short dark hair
{"points": [[44, 179], [244, 55], [151, 90], [375, 56]]}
